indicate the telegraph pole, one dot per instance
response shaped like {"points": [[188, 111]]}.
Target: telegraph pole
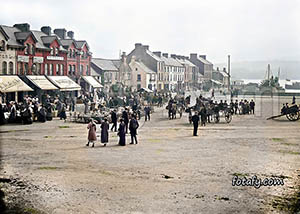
{"points": [[228, 68]]}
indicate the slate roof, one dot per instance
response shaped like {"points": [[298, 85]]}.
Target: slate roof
{"points": [[204, 61], [38, 35], [10, 33], [104, 64], [144, 67], [153, 56], [67, 43], [186, 62], [170, 61], [22, 35]]}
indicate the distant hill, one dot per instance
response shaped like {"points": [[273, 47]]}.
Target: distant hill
{"points": [[257, 69]]}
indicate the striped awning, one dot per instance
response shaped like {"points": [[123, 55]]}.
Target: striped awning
{"points": [[13, 84]]}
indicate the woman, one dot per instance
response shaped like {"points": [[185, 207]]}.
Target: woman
{"points": [[62, 114], [104, 132], [92, 133], [122, 133]]}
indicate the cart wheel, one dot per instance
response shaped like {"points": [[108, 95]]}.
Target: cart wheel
{"points": [[293, 116], [228, 117]]}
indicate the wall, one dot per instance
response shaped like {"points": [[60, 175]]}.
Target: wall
{"points": [[8, 56]]}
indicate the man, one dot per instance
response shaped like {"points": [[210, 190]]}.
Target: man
{"points": [[217, 110], [294, 100], [114, 120], [133, 126], [147, 113], [195, 120], [252, 106], [236, 106]]}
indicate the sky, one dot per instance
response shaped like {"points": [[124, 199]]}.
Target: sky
{"points": [[248, 30]]}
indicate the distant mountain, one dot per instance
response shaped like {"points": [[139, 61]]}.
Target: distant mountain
{"points": [[257, 69]]}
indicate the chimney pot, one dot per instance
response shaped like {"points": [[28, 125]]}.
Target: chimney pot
{"points": [[46, 30], [24, 27], [61, 33], [70, 34]]}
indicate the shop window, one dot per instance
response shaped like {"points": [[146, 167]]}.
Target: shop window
{"points": [[52, 51], [33, 68], [74, 69], [4, 67], [26, 68], [81, 69], [46, 69], [74, 53], [61, 69], [138, 77], [21, 68], [57, 69], [11, 68], [70, 69], [50, 71], [57, 51], [39, 69]]}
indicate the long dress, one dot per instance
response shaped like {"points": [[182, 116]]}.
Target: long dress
{"points": [[122, 134], [104, 132], [2, 117], [92, 132]]}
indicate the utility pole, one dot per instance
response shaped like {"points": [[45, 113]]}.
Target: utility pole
{"points": [[228, 72]]}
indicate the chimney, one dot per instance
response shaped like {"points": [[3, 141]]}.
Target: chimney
{"points": [[173, 56], [61, 33], [138, 45], [193, 55], [157, 53], [202, 56], [70, 34], [123, 57], [165, 55], [25, 27], [224, 69], [46, 30], [146, 47], [217, 68]]}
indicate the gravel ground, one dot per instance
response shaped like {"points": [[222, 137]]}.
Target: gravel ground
{"points": [[49, 167]]}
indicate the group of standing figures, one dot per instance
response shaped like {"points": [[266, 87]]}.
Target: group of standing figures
{"points": [[122, 131]]}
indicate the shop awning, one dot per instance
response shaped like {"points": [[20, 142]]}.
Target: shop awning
{"points": [[12, 84], [42, 82], [145, 89], [92, 81], [64, 83]]}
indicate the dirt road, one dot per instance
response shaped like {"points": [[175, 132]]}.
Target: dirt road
{"points": [[169, 171]]}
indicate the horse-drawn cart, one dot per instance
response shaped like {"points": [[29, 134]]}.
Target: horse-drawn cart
{"points": [[292, 113]]}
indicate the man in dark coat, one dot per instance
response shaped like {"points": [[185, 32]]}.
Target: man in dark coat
{"points": [[122, 133], [294, 100], [147, 113], [2, 117], [114, 120], [126, 119], [133, 126], [104, 132], [42, 115], [195, 120], [252, 106]]}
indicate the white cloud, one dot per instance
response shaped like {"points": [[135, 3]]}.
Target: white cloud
{"points": [[248, 30]]}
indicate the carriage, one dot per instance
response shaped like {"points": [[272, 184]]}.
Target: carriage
{"points": [[292, 113], [224, 113]]}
